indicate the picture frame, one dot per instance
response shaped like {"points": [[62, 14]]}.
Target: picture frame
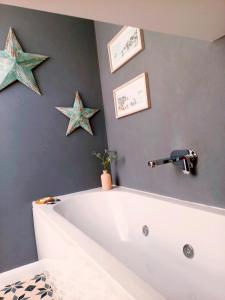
{"points": [[127, 43], [132, 97]]}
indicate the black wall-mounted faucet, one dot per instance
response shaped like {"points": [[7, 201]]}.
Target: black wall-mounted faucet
{"points": [[185, 160]]}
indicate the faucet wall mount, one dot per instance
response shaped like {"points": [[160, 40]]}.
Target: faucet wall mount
{"points": [[186, 160]]}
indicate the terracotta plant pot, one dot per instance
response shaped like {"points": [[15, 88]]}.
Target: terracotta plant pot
{"points": [[106, 180]]}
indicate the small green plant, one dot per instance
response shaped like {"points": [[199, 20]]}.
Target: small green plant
{"points": [[106, 157]]}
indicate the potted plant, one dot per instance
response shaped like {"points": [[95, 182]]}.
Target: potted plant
{"points": [[106, 158]]}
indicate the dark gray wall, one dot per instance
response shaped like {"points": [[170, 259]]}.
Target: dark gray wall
{"points": [[36, 158], [187, 83]]}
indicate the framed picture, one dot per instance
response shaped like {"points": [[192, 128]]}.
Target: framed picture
{"points": [[126, 44], [132, 96]]}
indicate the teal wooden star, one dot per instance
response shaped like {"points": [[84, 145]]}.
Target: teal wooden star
{"points": [[79, 115], [18, 65]]}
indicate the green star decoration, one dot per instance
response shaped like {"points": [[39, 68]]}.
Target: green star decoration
{"points": [[17, 65], [79, 115]]}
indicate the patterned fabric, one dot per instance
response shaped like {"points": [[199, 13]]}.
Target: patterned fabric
{"points": [[36, 288]]}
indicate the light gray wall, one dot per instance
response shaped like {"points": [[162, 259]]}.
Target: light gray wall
{"points": [[36, 158], [187, 86]]}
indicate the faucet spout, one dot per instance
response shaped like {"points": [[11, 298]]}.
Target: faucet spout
{"points": [[183, 159], [163, 161]]}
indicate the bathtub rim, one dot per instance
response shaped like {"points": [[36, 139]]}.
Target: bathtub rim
{"points": [[180, 202], [151, 196]]}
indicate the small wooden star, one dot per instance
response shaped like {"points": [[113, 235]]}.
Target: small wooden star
{"points": [[15, 64], [79, 115]]}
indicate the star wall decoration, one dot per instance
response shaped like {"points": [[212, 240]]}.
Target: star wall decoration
{"points": [[15, 64], [79, 115]]}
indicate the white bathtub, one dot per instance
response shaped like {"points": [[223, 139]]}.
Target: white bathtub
{"points": [[95, 247]]}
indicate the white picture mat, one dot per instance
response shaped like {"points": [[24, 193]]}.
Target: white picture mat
{"points": [[132, 97], [119, 54]]}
